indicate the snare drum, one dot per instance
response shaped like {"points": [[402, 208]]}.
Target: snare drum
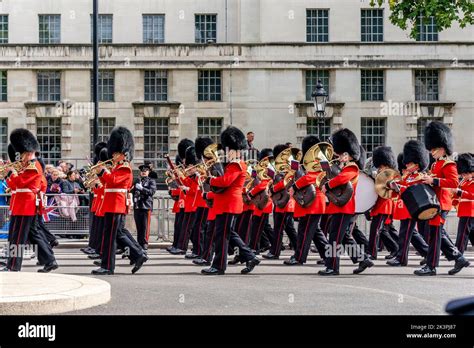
{"points": [[421, 202], [365, 195]]}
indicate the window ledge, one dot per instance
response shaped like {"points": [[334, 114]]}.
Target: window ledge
{"points": [[331, 104], [445, 104], [41, 103], [156, 103]]}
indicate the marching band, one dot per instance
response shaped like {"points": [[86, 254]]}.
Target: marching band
{"points": [[223, 201]]}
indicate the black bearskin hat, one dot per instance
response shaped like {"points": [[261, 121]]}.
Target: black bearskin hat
{"points": [[279, 149], [308, 142], [178, 160], [401, 165], [266, 152], [362, 159], [11, 153], [437, 134], [23, 141], [103, 155], [97, 148], [121, 140], [200, 144], [183, 146], [232, 138], [384, 156], [465, 163], [41, 162], [190, 157], [414, 151], [344, 140]]}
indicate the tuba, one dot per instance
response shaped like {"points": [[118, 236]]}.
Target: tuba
{"points": [[323, 156], [250, 181], [262, 168], [213, 166], [286, 173]]}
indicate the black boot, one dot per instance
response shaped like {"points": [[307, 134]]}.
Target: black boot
{"points": [[425, 271], [363, 265], [270, 256], [49, 267], [391, 255], [394, 263], [250, 265], [212, 271], [423, 261], [139, 263], [235, 260], [201, 262], [102, 271], [459, 265], [191, 256], [328, 272], [292, 262]]}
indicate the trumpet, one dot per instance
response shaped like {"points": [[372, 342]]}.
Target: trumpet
{"points": [[17, 165], [98, 164]]}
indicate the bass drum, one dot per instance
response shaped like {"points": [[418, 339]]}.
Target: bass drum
{"points": [[365, 195]]}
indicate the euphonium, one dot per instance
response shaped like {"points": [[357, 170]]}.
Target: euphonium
{"points": [[213, 165], [262, 168], [286, 173]]}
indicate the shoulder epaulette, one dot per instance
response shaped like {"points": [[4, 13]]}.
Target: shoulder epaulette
{"points": [[446, 162], [350, 164], [31, 166]]}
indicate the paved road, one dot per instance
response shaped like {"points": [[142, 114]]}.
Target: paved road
{"points": [[172, 285]]}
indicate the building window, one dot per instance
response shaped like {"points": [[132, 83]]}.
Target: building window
{"points": [[106, 86], [49, 86], [156, 85], [427, 29], [48, 133], [206, 28], [4, 138], [421, 124], [372, 85], [3, 86], [312, 77], [209, 85], [372, 133], [371, 25], [426, 85], [321, 127], [49, 29], [156, 135], [3, 29], [106, 124], [104, 28], [210, 127], [317, 25], [153, 29]]}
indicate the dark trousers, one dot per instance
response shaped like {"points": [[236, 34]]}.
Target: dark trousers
{"points": [[142, 222], [127, 243], [38, 237], [377, 228], [324, 223], [424, 230], [267, 235], [408, 234], [115, 233], [178, 221], [95, 234], [208, 241], [358, 235], [440, 241], [46, 232], [199, 229], [258, 224], [244, 225], [465, 233], [282, 222], [185, 231], [309, 230], [20, 230], [339, 235], [226, 235]]}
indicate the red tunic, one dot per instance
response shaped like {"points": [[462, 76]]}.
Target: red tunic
{"points": [[349, 173], [191, 197], [231, 200], [12, 186], [465, 197], [99, 211], [27, 185], [255, 191], [179, 203], [211, 215], [117, 185], [383, 206], [446, 176], [290, 206], [319, 204]]}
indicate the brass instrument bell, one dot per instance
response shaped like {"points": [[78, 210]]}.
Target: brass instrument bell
{"points": [[317, 153]]}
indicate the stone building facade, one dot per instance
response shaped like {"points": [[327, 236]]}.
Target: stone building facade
{"points": [[181, 68]]}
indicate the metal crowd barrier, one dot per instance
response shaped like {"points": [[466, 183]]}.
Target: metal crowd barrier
{"points": [[61, 222]]}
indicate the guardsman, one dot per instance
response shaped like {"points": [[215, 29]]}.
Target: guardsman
{"points": [[444, 176], [93, 246], [27, 184], [464, 196], [116, 203], [143, 192], [382, 158], [411, 163], [177, 194], [207, 246], [282, 217], [259, 240], [347, 147], [309, 217], [229, 204]]}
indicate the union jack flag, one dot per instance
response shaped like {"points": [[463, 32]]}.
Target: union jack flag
{"points": [[51, 211]]}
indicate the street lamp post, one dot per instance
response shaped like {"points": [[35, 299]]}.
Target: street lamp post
{"points": [[320, 97], [95, 70]]}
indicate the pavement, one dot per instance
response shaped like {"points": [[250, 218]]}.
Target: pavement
{"points": [[172, 285]]}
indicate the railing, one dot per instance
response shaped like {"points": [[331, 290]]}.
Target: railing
{"points": [[66, 220]]}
